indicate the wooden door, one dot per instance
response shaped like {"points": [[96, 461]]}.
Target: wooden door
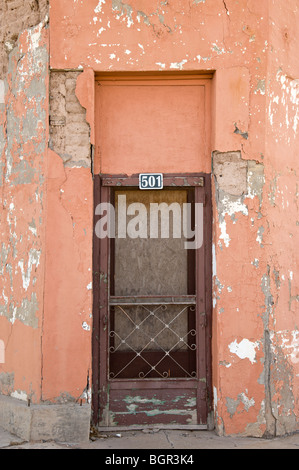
{"points": [[152, 306]]}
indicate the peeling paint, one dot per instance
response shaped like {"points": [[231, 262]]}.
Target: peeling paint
{"points": [[85, 326], [244, 350], [138, 399], [255, 113], [261, 87], [20, 395], [7, 383], [69, 131], [33, 259]]}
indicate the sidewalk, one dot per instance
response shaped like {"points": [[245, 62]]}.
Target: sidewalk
{"points": [[160, 439]]}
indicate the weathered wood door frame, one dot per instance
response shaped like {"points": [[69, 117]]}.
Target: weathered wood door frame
{"points": [[101, 386]]}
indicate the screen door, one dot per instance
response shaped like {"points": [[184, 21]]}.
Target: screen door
{"points": [[152, 302]]}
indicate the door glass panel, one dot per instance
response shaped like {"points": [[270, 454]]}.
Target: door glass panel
{"points": [[151, 266]]}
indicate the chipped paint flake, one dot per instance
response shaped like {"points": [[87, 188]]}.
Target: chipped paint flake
{"points": [[244, 350], [261, 87], [85, 326], [20, 395], [33, 259], [178, 65], [138, 399], [98, 8]]}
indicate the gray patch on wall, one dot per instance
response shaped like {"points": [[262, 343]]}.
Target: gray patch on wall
{"points": [[69, 130], [6, 383], [237, 179]]}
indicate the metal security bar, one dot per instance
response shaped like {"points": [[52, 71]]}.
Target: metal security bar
{"points": [[151, 338]]}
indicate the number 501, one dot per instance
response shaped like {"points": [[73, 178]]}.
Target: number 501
{"points": [[151, 181]]}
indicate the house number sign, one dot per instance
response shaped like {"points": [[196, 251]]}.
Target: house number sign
{"points": [[151, 181]]}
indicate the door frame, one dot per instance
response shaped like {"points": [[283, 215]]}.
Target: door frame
{"points": [[101, 263]]}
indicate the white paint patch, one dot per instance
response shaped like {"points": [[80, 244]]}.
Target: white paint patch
{"points": [[9, 46], [89, 287], [85, 326], [217, 49], [248, 403], [244, 350], [259, 237], [19, 395], [230, 208], [33, 259], [215, 399], [98, 8], [33, 230], [178, 65], [35, 36], [224, 235]]}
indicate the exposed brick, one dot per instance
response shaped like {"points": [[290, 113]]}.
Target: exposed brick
{"points": [[69, 131]]}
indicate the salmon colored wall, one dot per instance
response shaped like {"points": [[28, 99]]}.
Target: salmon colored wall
{"points": [[254, 307], [68, 292]]}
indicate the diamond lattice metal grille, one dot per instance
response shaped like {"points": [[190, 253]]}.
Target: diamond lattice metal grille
{"points": [[152, 341]]}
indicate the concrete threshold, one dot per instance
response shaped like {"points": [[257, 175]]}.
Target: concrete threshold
{"points": [[155, 427]]}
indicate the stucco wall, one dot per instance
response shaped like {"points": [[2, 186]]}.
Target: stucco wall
{"points": [[242, 42], [24, 53]]}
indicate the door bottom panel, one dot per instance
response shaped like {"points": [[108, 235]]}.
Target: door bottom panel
{"points": [[151, 407]]}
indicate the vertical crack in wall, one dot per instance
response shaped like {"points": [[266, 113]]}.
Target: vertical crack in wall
{"points": [[269, 415]]}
